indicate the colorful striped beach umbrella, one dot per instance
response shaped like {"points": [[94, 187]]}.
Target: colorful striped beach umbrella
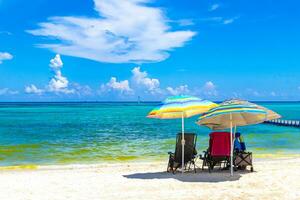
{"points": [[231, 114], [271, 115], [182, 106], [218, 118]]}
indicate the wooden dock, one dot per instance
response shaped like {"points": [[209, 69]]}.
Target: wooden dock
{"points": [[283, 122]]}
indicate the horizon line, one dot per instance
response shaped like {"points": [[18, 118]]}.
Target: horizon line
{"points": [[263, 101]]}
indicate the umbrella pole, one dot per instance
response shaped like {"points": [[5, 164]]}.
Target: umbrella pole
{"points": [[231, 149], [182, 142]]}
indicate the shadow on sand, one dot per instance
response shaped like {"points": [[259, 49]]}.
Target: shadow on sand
{"points": [[200, 176]]}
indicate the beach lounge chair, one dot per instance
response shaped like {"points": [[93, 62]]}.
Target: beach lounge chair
{"points": [[218, 152], [242, 160], [175, 159]]}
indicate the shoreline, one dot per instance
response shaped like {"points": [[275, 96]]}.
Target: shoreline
{"points": [[256, 158], [32, 166]]}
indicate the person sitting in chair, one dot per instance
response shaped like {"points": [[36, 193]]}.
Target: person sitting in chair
{"points": [[239, 144], [243, 158]]}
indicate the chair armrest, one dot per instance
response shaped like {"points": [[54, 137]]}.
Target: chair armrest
{"points": [[204, 156]]}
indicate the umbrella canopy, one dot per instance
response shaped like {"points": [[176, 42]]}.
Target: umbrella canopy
{"points": [[218, 118], [270, 114], [181, 106]]}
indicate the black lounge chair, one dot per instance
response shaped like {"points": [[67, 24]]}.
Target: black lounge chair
{"points": [[175, 159]]}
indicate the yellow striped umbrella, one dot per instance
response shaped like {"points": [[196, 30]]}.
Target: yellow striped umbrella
{"points": [[182, 106]]}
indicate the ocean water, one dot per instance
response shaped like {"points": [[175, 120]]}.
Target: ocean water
{"points": [[65, 133]]}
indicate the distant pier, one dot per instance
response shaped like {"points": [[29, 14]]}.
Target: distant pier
{"points": [[283, 122]]}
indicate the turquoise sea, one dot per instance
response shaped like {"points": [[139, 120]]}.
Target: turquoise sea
{"points": [[64, 133]]}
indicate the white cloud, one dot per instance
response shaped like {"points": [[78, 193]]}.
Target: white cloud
{"points": [[82, 90], [5, 91], [56, 63], [140, 84], [273, 94], [32, 89], [5, 56], [220, 20], [57, 84], [183, 89], [124, 31], [230, 20], [141, 80], [185, 22], [119, 86], [209, 89], [214, 7]]}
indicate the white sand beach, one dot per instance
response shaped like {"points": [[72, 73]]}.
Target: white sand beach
{"points": [[272, 179]]}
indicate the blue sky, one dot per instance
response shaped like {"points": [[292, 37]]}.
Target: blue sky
{"points": [[119, 50]]}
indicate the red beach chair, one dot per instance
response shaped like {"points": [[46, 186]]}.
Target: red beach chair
{"points": [[218, 152]]}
